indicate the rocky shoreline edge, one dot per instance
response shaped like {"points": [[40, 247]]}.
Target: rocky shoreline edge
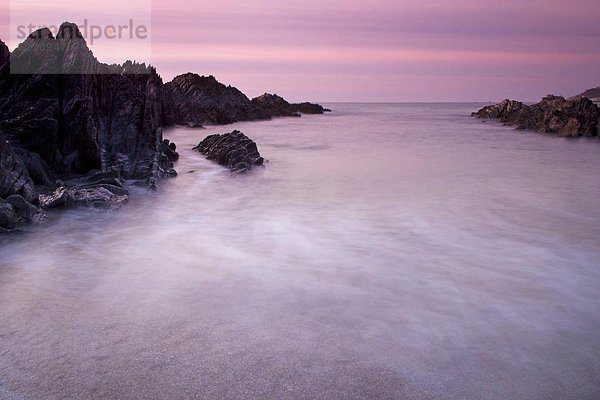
{"points": [[73, 130], [574, 117]]}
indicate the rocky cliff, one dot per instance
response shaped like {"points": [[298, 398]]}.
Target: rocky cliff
{"points": [[64, 115], [93, 116], [577, 116]]}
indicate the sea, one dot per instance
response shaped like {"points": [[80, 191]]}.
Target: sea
{"points": [[385, 251]]}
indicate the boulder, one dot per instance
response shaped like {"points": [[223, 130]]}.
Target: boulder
{"points": [[233, 150]]}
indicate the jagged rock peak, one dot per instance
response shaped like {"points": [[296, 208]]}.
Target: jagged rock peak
{"points": [[69, 30], [41, 34], [269, 98], [193, 79], [68, 53]]}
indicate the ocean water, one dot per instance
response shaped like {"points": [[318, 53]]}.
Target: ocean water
{"points": [[386, 251]]}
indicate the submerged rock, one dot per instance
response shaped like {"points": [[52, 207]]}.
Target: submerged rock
{"points": [[233, 150], [577, 116]]}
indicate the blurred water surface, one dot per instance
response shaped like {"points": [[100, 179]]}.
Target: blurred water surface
{"points": [[386, 251]]}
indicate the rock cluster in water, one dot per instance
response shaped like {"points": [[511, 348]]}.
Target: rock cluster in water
{"points": [[277, 106], [72, 129], [577, 116], [233, 150], [195, 100]]}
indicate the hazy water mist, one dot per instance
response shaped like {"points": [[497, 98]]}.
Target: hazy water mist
{"points": [[386, 251]]}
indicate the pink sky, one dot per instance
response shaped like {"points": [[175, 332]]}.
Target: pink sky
{"points": [[367, 50]]}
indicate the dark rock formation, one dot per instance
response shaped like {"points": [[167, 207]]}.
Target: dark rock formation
{"points": [[277, 106], [92, 115], [577, 116], [64, 115], [309, 108], [502, 111], [198, 100], [195, 100], [97, 189], [26, 211], [8, 216], [17, 191], [233, 150], [39, 171], [14, 178]]}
